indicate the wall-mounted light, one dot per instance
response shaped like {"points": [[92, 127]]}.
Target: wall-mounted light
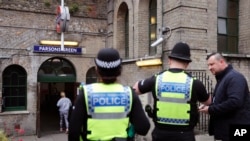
{"points": [[149, 62], [58, 43], [165, 33], [157, 42]]}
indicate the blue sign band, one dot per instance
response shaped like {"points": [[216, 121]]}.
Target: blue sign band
{"points": [[108, 99], [57, 49]]}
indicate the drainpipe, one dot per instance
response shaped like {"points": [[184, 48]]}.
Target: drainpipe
{"points": [[133, 29], [162, 12], [162, 46]]}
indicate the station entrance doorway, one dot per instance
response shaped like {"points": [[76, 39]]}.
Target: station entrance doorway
{"points": [[54, 75]]}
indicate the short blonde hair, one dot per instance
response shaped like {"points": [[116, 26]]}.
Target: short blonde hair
{"points": [[62, 94]]}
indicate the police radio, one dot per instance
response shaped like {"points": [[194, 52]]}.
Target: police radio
{"points": [[149, 110]]}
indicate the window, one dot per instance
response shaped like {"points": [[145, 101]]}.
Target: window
{"points": [[91, 76], [152, 26], [14, 88], [228, 26], [122, 31], [126, 35]]}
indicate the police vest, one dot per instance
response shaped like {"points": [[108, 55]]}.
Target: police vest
{"points": [[108, 106], [173, 91]]}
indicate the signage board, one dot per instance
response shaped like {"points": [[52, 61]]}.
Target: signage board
{"points": [[56, 49]]}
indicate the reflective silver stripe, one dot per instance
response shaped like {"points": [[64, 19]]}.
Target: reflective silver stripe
{"points": [[175, 100], [108, 115]]}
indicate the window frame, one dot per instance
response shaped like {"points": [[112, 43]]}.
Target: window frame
{"points": [[91, 76], [227, 26], [152, 26], [126, 35], [14, 78]]}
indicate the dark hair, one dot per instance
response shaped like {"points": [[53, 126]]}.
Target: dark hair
{"points": [[216, 54], [110, 72], [109, 76]]}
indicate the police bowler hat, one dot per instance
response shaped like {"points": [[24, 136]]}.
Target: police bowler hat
{"points": [[108, 61], [181, 51]]}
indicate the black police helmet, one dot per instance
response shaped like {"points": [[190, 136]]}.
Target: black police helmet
{"points": [[108, 62], [181, 51]]}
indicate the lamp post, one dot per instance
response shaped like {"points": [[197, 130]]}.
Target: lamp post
{"points": [[62, 34], [62, 20]]}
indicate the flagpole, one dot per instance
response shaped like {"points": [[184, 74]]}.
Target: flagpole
{"points": [[62, 33]]}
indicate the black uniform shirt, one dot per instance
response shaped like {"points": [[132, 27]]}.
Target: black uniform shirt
{"points": [[199, 93]]}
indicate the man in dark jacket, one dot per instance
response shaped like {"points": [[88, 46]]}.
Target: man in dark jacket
{"points": [[231, 100]]}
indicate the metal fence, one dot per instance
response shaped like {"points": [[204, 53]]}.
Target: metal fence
{"points": [[202, 126]]}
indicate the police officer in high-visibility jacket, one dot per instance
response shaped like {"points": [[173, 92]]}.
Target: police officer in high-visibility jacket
{"points": [[175, 93], [105, 110]]}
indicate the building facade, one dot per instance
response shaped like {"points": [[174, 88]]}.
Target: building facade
{"points": [[130, 26], [32, 73]]}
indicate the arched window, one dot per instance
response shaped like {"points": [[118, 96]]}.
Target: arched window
{"points": [[152, 25], [91, 76], [122, 38], [14, 89], [126, 36]]}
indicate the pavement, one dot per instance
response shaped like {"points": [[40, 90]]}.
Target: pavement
{"points": [[63, 137], [204, 137], [48, 137]]}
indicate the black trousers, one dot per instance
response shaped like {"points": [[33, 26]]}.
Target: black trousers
{"points": [[166, 135]]}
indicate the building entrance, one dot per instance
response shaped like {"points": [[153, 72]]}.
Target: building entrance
{"points": [[49, 95], [54, 75]]}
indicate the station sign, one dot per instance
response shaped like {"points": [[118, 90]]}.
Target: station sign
{"points": [[56, 49]]}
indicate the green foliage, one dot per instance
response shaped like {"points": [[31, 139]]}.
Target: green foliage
{"points": [[3, 136], [47, 3], [73, 8]]}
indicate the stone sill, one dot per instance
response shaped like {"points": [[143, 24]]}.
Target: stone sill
{"points": [[15, 113], [236, 55]]}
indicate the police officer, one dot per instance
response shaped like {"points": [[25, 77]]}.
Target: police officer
{"points": [[175, 93], [103, 111]]}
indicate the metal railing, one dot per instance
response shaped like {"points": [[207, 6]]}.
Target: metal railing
{"points": [[202, 126]]}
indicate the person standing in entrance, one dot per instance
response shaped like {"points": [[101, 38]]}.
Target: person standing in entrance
{"points": [[64, 105], [175, 93], [104, 110], [231, 99]]}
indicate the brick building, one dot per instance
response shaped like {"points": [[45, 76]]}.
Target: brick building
{"points": [[131, 26], [33, 74]]}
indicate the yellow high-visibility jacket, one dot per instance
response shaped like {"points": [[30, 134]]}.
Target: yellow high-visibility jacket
{"points": [[107, 105]]}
